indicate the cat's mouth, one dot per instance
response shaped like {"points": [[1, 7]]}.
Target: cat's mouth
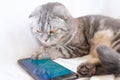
{"points": [[47, 38]]}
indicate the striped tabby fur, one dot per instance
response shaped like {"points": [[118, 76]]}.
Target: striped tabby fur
{"points": [[63, 36]]}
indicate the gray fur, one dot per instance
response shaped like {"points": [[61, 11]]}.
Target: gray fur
{"points": [[73, 36], [110, 59]]}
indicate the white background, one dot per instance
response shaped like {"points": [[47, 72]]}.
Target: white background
{"points": [[16, 40]]}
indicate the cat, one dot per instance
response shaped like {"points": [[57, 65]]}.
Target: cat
{"points": [[62, 36]]}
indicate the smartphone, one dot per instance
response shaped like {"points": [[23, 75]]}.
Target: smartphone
{"points": [[46, 69]]}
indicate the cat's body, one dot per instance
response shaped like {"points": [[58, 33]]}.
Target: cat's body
{"points": [[63, 36], [102, 32]]}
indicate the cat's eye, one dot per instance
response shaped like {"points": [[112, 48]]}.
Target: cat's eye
{"points": [[53, 31]]}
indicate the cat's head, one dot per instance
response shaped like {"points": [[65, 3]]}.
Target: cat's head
{"points": [[50, 24]]}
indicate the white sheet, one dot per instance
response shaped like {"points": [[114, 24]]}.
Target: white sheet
{"points": [[12, 71]]}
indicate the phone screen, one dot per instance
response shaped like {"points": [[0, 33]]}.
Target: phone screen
{"points": [[46, 69]]}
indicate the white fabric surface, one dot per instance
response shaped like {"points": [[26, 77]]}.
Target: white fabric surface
{"points": [[12, 71]]}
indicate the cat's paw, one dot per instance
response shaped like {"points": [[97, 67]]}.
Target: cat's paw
{"points": [[40, 56], [35, 55], [86, 70]]}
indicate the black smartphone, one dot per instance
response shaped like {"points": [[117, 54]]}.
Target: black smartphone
{"points": [[46, 69]]}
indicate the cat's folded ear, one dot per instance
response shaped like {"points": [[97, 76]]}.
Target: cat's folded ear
{"points": [[35, 12], [61, 11], [52, 9]]}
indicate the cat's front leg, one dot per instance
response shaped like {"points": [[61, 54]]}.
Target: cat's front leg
{"points": [[40, 53], [60, 51], [49, 52]]}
